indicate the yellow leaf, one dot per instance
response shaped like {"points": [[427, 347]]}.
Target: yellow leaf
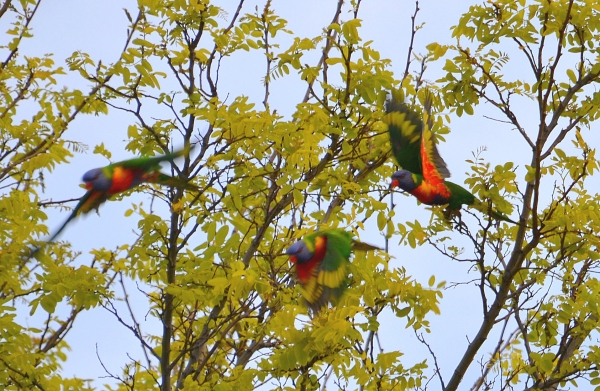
{"points": [[431, 281]]}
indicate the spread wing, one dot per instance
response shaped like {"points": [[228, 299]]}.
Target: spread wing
{"points": [[328, 275], [434, 166], [334, 268], [90, 200], [405, 128]]}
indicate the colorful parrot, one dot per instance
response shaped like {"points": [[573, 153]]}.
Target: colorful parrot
{"points": [[102, 183], [322, 263], [424, 171]]}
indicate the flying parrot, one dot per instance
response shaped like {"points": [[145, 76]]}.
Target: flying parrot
{"points": [[102, 183], [322, 264], [424, 171]]}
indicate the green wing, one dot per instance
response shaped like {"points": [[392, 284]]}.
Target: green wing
{"points": [[460, 195], [408, 131], [330, 276], [339, 247], [405, 128], [337, 256], [90, 200]]}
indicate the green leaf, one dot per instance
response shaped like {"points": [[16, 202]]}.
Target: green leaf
{"points": [[572, 76]]}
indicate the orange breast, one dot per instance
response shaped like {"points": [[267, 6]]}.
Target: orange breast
{"points": [[432, 194], [122, 180]]}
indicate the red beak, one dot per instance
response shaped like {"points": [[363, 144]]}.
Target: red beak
{"points": [[394, 183]]}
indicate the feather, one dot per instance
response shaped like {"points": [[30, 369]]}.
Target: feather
{"points": [[404, 129], [424, 171], [102, 183], [322, 265], [434, 167]]}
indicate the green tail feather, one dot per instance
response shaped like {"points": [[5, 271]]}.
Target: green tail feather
{"points": [[360, 246], [485, 209], [166, 180]]}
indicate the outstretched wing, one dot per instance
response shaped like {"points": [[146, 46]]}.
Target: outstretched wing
{"points": [[325, 277], [434, 166], [90, 200], [405, 128], [334, 268]]}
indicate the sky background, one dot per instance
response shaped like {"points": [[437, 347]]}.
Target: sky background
{"points": [[99, 28]]}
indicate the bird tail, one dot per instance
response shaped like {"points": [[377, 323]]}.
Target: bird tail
{"points": [[173, 155], [166, 180], [146, 163], [360, 246], [486, 209]]}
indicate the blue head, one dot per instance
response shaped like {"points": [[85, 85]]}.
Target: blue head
{"points": [[300, 252], [404, 180], [95, 179]]}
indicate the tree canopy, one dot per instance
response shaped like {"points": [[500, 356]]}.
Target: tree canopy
{"points": [[217, 306]]}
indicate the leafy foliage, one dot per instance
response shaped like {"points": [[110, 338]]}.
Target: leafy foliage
{"points": [[212, 266]]}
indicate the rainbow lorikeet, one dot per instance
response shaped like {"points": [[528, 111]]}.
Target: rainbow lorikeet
{"points": [[102, 183], [423, 170], [322, 264]]}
